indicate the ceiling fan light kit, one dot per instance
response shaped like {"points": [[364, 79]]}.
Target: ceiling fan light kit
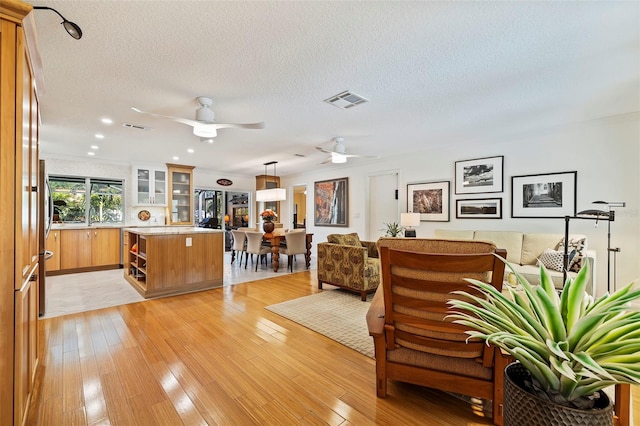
{"points": [[204, 125], [205, 131]]}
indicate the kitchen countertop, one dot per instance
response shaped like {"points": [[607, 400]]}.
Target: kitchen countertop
{"points": [[60, 226], [170, 230]]}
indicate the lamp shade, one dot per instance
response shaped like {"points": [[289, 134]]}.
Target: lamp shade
{"points": [[410, 219], [273, 194]]}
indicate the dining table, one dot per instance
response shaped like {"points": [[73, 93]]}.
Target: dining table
{"points": [[277, 240]]}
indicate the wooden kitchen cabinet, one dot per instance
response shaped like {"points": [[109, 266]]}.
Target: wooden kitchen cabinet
{"points": [[89, 249], [53, 245], [181, 193], [105, 247], [20, 78]]}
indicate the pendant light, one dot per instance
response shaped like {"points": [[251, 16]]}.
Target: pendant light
{"points": [[272, 194]]}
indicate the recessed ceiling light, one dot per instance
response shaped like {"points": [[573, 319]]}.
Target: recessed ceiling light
{"points": [[91, 153], [190, 151], [94, 147], [176, 158], [99, 136], [106, 120]]}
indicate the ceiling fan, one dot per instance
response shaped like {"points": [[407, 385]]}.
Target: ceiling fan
{"points": [[204, 124], [338, 153]]}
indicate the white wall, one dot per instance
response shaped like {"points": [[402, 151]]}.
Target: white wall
{"points": [[605, 153]]}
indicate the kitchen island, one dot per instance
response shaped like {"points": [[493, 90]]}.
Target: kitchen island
{"points": [[168, 260]]}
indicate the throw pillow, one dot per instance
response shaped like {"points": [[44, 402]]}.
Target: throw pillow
{"points": [[345, 239], [554, 260], [580, 247]]}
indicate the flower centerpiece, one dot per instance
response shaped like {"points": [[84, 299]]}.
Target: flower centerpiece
{"points": [[268, 215]]}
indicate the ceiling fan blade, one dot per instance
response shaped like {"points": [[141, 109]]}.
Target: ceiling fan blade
{"points": [[328, 160], [186, 121], [321, 149], [239, 126]]}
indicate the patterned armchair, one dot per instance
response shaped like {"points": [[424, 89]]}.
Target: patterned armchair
{"points": [[346, 262]]}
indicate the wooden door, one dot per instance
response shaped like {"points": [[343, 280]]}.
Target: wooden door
{"points": [[53, 245], [105, 247], [75, 248]]}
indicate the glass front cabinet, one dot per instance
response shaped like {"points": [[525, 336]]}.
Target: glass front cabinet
{"points": [[181, 194], [149, 186]]}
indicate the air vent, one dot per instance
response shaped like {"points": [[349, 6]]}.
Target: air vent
{"points": [[135, 126], [346, 100]]}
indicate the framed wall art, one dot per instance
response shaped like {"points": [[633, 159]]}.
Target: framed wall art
{"points": [[479, 208], [551, 195], [430, 199], [480, 175], [331, 202]]}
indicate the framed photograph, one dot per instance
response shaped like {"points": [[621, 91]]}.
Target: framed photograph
{"points": [[431, 200], [479, 208], [331, 202], [546, 195], [479, 175]]}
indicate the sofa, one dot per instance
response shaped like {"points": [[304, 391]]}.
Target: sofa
{"points": [[349, 263], [526, 250]]}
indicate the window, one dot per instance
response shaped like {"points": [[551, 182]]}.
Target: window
{"points": [[105, 203]]}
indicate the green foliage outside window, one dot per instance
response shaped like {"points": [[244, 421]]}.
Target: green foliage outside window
{"points": [[106, 201]]}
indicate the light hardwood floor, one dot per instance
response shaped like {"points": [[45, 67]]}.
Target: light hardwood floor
{"points": [[219, 357]]}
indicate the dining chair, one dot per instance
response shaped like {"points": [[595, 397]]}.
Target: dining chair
{"points": [[239, 244], [296, 244], [255, 246]]}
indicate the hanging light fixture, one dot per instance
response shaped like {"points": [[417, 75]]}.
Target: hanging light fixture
{"points": [[72, 28], [271, 194]]}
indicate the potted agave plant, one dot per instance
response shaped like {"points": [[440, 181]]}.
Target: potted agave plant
{"points": [[568, 347], [392, 229]]}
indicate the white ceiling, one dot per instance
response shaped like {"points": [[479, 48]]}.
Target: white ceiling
{"points": [[436, 73]]}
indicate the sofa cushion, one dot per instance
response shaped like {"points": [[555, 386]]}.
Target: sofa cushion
{"points": [[533, 245], [453, 234], [579, 244], [345, 239], [511, 241]]}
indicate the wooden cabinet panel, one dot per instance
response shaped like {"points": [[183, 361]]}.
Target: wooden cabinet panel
{"points": [[26, 351], [53, 245], [19, 219], [105, 247], [75, 248]]}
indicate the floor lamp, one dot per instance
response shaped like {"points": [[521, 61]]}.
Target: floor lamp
{"points": [[608, 216], [610, 205]]}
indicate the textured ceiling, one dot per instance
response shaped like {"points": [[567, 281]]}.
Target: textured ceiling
{"points": [[436, 73]]}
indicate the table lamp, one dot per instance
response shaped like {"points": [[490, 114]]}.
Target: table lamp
{"points": [[410, 220]]}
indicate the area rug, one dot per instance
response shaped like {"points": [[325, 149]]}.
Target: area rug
{"points": [[336, 314]]}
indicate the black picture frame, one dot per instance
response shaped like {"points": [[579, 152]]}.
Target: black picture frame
{"points": [[480, 175], [546, 195], [430, 199], [331, 202], [479, 208]]}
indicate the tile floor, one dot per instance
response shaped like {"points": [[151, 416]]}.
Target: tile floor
{"points": [[73, 293]]}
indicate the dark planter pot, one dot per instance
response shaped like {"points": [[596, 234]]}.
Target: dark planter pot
{"points": [[522, 408]]}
